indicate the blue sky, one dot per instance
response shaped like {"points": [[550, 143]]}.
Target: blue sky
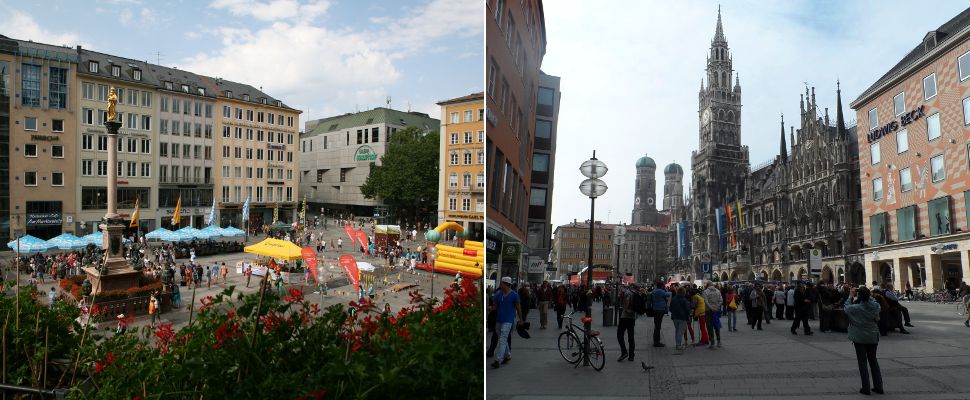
{"points": [[325, 57], [631, 76]]}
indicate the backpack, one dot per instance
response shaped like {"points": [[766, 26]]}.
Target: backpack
{"points": [[648, 303], [638, 303]]}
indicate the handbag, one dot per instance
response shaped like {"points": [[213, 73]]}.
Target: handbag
{"points": [[732, 305]]}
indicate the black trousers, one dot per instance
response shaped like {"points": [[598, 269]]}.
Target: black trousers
{"points": [[756, 315], [658, 319], [790, 312], [626, 326], [779, 311], [560, 311], [768, 306], [825, 319], [801, 316], [866, 354]]}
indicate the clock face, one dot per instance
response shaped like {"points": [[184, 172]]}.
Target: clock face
{"points": [[636, 201], [650, 201], [706, 116]]}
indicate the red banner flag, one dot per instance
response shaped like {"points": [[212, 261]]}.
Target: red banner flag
{"points": [[362, 238], [350, 234], [350, 267], [734, 239], [310, 257]]}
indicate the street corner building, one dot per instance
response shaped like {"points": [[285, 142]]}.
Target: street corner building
{"points": [[521, 113], [461, 183], [792, 217], [175, 126], [914, 163]]}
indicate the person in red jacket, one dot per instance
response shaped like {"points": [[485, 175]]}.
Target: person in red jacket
{"points": [[560, 299]]}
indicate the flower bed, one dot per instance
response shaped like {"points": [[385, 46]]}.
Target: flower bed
{"points": [[146, 285]]}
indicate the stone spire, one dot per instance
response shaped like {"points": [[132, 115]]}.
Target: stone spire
{"points": [[839, 120], [719, 31], [784, 147]]}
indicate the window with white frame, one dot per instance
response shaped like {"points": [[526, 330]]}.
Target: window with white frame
{"points": [[86, 167], [938, 168], [933, 126], [468, 116], [453, 180], [902, 141], [899, 104], [468, 158], [905, 180], [30, 123], [87, 142], [963, 63], [480, 180], [454, 138], [57, 151], [452, 203], [30, 150], [466, 204], [877, 189], [873, 118], [466, 180], [966, 111], [57, 179], [454, 118], [469, 137], [93, 67], [30, 178], [453, 158], [929, 86]]}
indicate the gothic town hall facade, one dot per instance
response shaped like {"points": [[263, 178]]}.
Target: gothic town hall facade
{"points": [[768, 221]]}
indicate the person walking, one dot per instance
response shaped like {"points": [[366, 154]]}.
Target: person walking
{"points": [[802, 305], [732, 310], [561, 300], [628, 319], [862, 312], [700, 312], [545, 298], [525, 298], [713, 303], [790, 303], [757, 298], [661, 303], [508, 313], [680, 314], [224, 271], [769, 294], [779, 300]]}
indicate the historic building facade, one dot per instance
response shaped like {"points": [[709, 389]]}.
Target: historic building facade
{"points": [[914, 166], [766, 223], [461, 178]]}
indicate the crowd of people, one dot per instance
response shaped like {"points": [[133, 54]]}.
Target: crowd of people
{"points": [[699, 312]]}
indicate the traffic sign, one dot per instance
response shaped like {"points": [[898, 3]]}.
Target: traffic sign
{"points": [[706, 267]]}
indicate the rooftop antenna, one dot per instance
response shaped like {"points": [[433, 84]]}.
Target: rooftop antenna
{"points": [[409, 106], [388, 101], [158, 58]]}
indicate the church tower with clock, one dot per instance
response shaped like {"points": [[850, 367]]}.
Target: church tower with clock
{"points": [[645, 200], [721, 163]]}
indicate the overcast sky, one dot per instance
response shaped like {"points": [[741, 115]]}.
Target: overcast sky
{"points": [[631, 74], [325, 57]]}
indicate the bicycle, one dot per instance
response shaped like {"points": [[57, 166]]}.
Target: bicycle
{"points": [[571, 347]]}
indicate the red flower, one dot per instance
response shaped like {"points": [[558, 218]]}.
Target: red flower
{"points": [[314, 309], [108, 360], [206, 303], [225, 332], [319, 393], [296, 296], [231, 314]]}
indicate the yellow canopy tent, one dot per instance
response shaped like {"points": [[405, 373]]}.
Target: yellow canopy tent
{"points": [[277, 249]]}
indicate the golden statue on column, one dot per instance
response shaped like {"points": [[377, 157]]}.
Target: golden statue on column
{"points": [[112, 103]]}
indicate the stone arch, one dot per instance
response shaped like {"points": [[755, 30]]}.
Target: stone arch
{"points": [[730, 116], [802, 273], [735, 276], [751, 276], [827, 274], [840, 274], [776, 275], [791, 276], [856, 274], [724, 276]]}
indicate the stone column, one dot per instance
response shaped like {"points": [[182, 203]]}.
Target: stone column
{"points": [[965, 265], [112, 169], [934, 273], [901, 273]]}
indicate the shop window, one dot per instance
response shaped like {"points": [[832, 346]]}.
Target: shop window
{"points": [[939, 214]]}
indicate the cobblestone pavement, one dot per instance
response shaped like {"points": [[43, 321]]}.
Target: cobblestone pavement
{"points": [[342, 291], [930, 363]]}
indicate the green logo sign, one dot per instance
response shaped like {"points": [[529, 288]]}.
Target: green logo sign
{"points": [[365, 153], [511, 250]]}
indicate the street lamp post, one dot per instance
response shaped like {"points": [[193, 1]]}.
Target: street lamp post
{"points": [[592, 187], [619, 239]]}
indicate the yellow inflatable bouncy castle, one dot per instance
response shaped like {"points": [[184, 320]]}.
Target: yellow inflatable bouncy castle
{"points": [[469, 261]]}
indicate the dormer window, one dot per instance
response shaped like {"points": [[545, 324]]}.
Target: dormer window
{"points": [[136, 74], [93, 67], [116, 70], [168, 85], [229, 94], [279, 103], [185, 88], [262, 100], [929, 41], [246, 97], [202, 91]]}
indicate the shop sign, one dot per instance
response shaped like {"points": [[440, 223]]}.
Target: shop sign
{"points": [[365, 153], [944, 247], [536, 265], [276, 146], [43, 218], [474, 217], [511, 250], [893, 126], [45, 138], [492, 246]]}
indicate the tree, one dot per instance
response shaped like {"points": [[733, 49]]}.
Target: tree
{"points": [[407, 178]]}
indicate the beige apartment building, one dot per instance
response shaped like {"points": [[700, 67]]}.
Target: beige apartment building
{"points": [[38, 124], [461, 176], [255, 140], [186, 126], [135, 87]]}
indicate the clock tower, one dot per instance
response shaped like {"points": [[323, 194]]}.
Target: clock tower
{"points": [[645, 193], [721, 162]]}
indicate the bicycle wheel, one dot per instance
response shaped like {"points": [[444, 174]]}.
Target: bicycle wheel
{"points": [[597, 356], [570, 347]]}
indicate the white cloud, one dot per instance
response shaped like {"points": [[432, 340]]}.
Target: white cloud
{"points": [[274, 10], [126, 17], [314, 67], [20, 25], [630, 76]]}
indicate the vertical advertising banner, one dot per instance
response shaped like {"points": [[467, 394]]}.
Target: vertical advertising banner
{"points": [[310, 257], [349, 265]]}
